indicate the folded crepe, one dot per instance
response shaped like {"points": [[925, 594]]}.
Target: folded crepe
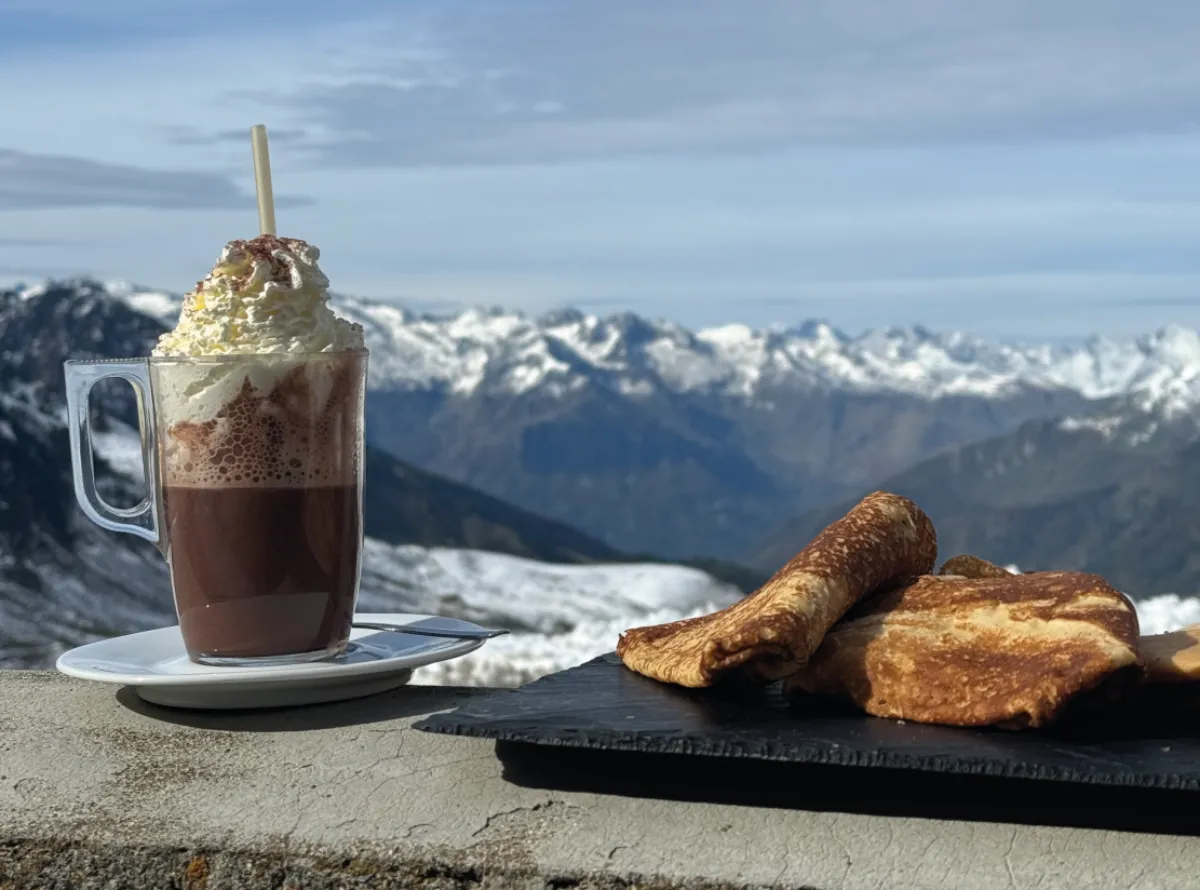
{"points": [[1172, 657], [1166, 658], [882, 541], [1010, 651]]}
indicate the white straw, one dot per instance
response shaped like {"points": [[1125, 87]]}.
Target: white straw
{"points": [[262, 179]]}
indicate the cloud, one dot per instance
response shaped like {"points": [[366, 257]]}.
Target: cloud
{"points": [[192, 136], [40, 242], [1189, 302], [544, 81], [40, 181], [22, 273]]}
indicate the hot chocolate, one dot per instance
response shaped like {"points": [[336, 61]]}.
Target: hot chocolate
{"points": [[259, 395], [263, 572], [262, 507]]}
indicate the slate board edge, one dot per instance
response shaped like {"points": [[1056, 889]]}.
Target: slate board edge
{"points": [[444, 724], [462, 722]]}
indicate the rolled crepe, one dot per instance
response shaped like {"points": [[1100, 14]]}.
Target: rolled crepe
{"points": [[882, 541]]}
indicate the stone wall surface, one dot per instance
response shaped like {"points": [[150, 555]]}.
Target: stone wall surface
{"points": [[100, 790]]}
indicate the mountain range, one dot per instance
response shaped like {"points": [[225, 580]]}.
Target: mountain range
{"points": [[683, 443], [596, 438]]}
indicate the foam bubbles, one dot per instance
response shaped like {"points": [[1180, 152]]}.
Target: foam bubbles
{"points": [[302, 430]]}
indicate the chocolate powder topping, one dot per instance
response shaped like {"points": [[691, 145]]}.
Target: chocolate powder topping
{"points": [[264, 246]]}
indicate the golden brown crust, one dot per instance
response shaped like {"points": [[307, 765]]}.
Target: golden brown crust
{"points": [[1172, 657], [977, 651], [967, 566], [883, 540]]}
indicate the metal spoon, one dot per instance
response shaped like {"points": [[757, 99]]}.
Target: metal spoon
{"points": [[437, 627]]}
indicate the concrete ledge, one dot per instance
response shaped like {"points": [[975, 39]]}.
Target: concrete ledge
{"points": [[100, 790]]}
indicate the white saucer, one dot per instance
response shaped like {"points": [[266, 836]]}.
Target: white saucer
{"points": [[156, 665]]}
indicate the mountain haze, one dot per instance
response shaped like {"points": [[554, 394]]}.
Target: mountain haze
{"points": [[1116, 494], [698, 445], [655, 438]]}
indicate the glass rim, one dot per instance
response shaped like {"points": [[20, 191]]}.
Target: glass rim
{"points": [[225, 358]]}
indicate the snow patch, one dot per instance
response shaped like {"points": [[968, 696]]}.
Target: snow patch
{"points": [[159, 305], [1107, 427], [1168, 612], [525, 595], [121, 448], [521, 658]]}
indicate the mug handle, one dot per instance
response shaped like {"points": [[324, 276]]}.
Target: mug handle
{"points": [[141, 520]]}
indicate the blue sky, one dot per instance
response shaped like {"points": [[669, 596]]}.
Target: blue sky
{"points": [[1014, 168]]}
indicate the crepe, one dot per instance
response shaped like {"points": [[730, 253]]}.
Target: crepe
{"points": [[1172, 657], [883, 540], [967, 566], [1011, 651], [1166, 658]]}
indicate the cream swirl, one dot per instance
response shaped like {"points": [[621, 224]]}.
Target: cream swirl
{"points": [[265, 295]]}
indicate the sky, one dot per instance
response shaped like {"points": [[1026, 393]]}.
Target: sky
{"points": [[1019, 168]]}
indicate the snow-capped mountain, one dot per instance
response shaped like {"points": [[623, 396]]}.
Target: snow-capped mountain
{"points": [[660, 439], [493, 350], [655, 437], [504, 352]]}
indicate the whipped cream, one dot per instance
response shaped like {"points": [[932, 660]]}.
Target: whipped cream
{"points": [[265, 295], [265, 305]]}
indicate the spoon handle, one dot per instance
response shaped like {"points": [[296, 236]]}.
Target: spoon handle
{"points": [[466, 633]]}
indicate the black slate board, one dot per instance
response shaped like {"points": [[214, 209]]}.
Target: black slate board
{"points": [[1151, 744]]}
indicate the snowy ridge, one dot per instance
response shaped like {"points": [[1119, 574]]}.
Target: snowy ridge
{"points": [[497, 351], [493, 350], [159, 305]]}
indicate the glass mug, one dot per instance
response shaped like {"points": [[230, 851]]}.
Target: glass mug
{"points": [[254, 472]]}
